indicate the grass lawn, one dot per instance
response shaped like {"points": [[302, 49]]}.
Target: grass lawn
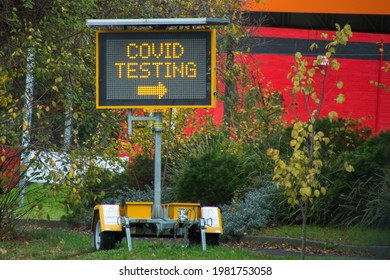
{"points": [[55, 244], [351, 236], [59, 244], [46, 206]]}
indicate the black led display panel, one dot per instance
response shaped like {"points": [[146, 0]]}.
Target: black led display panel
{"points": [[155, 69]]}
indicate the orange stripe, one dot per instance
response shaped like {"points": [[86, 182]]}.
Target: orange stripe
{"points": [[379, 7]]}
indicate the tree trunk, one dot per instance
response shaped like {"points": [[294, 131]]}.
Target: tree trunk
{"points": [[27, 120], [228, 81], [304, 207]]}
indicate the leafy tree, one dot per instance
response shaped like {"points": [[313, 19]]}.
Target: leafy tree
{"points": [[299, 175], [48, 115]]}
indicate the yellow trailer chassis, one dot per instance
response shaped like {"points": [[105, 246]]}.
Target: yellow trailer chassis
{"points": [[189, 221]]}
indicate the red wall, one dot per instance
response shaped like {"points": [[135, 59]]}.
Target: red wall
{"points": [[358, 69]]}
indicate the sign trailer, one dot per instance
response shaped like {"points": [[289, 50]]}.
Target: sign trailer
{"points": [[155, 70]]}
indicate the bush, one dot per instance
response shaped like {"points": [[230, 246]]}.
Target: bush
{"points": [[135, 195], [11, 208], [141, 173], [210, 177], [357, 198], [253, 212], [90, 192], [344, 134], [370, 158]]}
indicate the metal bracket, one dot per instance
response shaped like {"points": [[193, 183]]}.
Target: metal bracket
{"points": [[131, 118]]}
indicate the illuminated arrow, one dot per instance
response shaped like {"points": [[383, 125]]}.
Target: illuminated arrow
{"points": [[160, 90]]}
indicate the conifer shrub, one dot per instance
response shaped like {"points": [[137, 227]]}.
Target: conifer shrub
{"points": [[253, 212]]}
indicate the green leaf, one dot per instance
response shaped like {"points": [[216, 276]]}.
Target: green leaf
{"points": [[335, 65], [313, 46], [340, 85]]}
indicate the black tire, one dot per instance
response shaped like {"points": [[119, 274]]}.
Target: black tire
{"points": [[212, 239], [103, 240]]}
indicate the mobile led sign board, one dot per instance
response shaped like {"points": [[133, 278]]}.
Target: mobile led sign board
{"points": [[156, 69]]}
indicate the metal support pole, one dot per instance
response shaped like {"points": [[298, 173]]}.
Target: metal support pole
{"points": [[126, 223], [158, 128], [202, 223], [130, 123]]}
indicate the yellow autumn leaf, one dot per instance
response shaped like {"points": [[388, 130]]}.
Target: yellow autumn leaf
{"points": [[293, 143], [340, 98], [305, 191], [332, 115], [25, 125], [326, 140], [349, 168], [270, 152]]}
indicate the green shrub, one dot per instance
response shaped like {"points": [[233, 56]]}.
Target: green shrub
{"points": [[344, 134], [360, 197], [136, 195], [370, 158], [210, 177], [111, 186], [90, 192], [141, 173], [253, 212]]}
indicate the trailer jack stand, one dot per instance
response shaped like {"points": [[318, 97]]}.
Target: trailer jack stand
{"points": [[126, 224], [203, 233]]}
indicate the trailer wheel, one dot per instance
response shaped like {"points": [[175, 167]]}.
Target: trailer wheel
{"points": [[212, 239], [102, 240]]}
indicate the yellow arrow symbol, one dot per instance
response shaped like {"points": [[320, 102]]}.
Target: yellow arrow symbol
{"points": [[160, 90]]}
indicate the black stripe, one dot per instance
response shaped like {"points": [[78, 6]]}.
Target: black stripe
{"points": [[289, 46]]}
